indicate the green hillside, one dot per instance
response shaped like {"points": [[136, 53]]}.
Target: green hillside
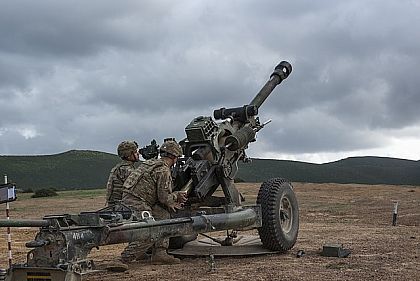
{"points": [[89, 169], [367, 170], [79, 169]]}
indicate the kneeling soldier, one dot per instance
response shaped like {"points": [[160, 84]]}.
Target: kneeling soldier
{"points": [[149, 188], [128, 151]]}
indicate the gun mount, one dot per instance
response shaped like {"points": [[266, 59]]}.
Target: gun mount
{"points": [[212, 150]]}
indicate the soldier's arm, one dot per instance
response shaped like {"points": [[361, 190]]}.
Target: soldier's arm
{"points": [[109, 186], [164, 189]]}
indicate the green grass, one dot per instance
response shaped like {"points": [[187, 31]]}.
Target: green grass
{"points": [[80, 194], [87, 193], [32, 206]]}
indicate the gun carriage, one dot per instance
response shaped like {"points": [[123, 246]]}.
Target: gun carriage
{"points": [[212, 149]]}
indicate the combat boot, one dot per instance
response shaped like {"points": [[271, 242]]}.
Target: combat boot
{"points": [[127, 259], [159, 256], [143, 257], [146, 256]]}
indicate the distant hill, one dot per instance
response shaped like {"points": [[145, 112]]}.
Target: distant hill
{"points": [[365, 170], [81, 169], [74, 169]]}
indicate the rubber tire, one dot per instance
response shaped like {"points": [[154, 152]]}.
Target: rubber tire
{"points": [[272, 235]]}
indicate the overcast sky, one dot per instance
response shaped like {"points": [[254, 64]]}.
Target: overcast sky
{"points": [[89, 74]]}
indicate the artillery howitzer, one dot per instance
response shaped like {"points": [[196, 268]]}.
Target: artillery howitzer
{"points": [[212, 151]]}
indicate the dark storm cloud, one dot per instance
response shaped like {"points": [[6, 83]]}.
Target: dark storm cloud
{"points": [[85, 75], [77, 28]]}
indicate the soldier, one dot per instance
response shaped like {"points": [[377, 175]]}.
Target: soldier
{"points": [[149, 188], [128, 151]]}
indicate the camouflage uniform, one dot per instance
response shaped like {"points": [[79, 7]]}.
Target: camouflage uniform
{"points": [[148, 188], [117, 177]]}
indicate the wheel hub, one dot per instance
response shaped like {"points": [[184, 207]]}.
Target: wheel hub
{"points": [[286, 218]]}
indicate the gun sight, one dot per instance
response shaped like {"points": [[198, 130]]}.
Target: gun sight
{"points": [[236, 113], [150, 151]]}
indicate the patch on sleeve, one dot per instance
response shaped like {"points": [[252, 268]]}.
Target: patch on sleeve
{"points": [[132, 179]]}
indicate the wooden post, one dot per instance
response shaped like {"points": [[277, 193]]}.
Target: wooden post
{"points": [[394, 214], [9, 236]]}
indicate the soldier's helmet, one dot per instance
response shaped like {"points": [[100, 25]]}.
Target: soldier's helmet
{"points": [[171, 147], [125, 148]]}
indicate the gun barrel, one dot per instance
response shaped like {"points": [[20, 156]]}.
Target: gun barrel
{"points": [[24, 223], [281, 72], [148, 231]]}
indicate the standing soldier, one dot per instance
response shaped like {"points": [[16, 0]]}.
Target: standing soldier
{"points": [[149, 188], [128, 151]]}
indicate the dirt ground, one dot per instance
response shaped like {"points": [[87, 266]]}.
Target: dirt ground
{"points": [[357, 216]]}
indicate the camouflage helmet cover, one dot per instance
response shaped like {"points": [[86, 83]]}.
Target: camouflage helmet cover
{"points": [[171, 147], [125, 148]]}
